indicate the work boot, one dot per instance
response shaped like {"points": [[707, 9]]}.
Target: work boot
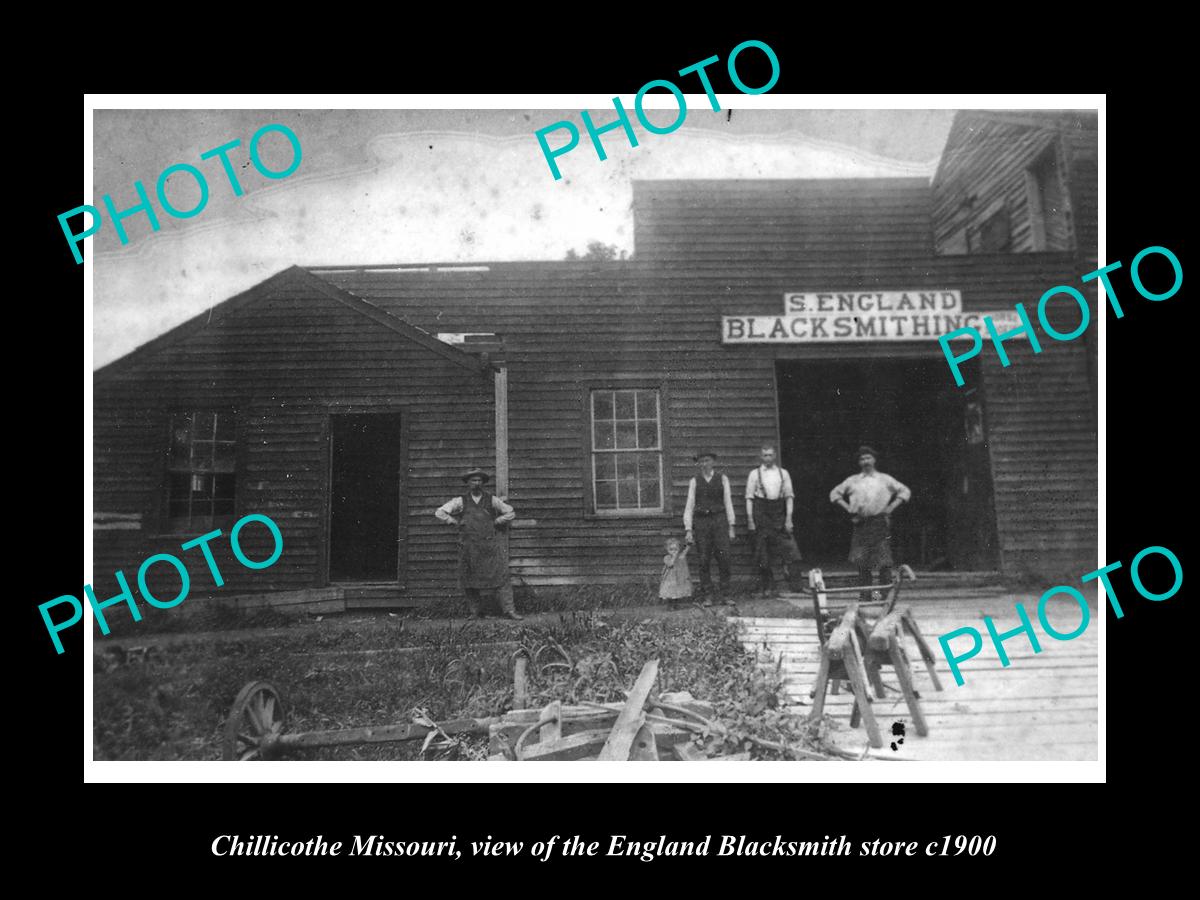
{"points": [[508, 609]]}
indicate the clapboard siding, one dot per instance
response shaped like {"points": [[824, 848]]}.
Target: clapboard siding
{"points": [[284, 361], [312, 339], [572, 325], [838, 219], [1042, 426], [984, 166]]}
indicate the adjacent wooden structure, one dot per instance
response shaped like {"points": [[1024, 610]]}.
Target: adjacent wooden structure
{"points": [[308, 364]]}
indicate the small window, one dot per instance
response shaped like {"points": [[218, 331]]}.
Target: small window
{"points": [[626, 457], [1049, 211], [955, 244], [200, 471], [993, 235]]}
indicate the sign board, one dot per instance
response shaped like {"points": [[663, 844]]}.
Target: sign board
{"points": [[863, 316]]}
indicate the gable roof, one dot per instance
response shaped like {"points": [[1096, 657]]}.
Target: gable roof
{"points": [[301, 276], [967, 120]]}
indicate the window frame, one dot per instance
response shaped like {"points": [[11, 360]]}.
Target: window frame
{"points": [[974, 231], [223, 522], [1052, 157], [587, 433]]}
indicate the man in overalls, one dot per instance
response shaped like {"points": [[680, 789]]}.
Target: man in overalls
{"points": [[769, 500], [481, 565]]}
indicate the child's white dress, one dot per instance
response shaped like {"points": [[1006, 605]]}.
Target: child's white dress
{"points": [[676, 579]]}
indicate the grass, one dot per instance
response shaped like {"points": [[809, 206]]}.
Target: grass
{"points": [[201, 616], [171, 702]]}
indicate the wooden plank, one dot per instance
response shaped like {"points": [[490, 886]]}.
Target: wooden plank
{"points": [[645, 746], [382, 734], [862, 705], [631, 717], [685, 751], [520, 685], [552, 731], [576, 746], [904, 676], [884, 629]]}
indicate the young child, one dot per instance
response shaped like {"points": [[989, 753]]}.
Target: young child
{"points": [[676, 581]]}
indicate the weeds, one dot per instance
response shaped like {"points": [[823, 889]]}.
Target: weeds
{"points": [[172, 704]]}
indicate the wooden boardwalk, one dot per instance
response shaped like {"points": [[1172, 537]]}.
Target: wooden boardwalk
{"points": [[1041, 707]]}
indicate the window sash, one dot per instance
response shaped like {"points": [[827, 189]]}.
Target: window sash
{"points": [[626, 429], [201, 469]]}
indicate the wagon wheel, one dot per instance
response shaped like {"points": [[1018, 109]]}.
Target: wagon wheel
{"points": [[257, 713]]}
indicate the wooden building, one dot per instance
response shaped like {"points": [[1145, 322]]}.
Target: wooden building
{"points": [[326, 399], [1021, 182]]}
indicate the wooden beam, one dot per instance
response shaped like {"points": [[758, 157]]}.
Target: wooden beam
{"points": [[520, 686], [904, 676], [927, 656], [631, 717], [885, 629], [575, 746], [381, 735], [551, 731], [644, 747], [862, 705], [840, 639], [500, 379]]}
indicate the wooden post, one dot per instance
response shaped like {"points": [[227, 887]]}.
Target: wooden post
{"points": [[904, 676], [858, 681], [553, 731], [501, 383], [818, 707], [876, 678], [927, 656], [632, 716], [520, 685]]}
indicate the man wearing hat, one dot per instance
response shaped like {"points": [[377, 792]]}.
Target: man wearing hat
{"points": [[870, 497], [708, 519], [481, 566]]}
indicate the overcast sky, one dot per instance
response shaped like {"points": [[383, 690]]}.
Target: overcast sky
{"points": [[409, 186]]}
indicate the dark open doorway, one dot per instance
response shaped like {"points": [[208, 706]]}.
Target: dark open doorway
{"points": [[365, 496], [929, 434]]}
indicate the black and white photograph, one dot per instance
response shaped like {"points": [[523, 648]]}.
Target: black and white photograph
{"points": [[503, 434]]}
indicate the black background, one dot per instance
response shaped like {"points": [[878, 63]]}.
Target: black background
{"points": [[116, 829]]}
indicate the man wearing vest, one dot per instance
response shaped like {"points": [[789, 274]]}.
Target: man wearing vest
{"points": [[481, 565], [708, 519], [769, 500]]}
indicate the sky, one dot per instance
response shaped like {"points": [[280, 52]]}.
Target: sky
{"points": [[381, 187]]}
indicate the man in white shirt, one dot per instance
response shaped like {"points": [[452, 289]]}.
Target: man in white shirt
{"points": [[769, 500], [708, 519], [481, 563], [870, 497]]}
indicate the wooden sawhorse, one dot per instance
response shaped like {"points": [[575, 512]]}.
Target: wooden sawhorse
{"points": [[855, 650]]}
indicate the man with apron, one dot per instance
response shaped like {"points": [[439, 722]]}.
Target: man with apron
{"points": [[870, 497], [769, 500], [481, 564]]}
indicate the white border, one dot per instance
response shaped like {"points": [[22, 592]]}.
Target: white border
{"points": [[479, 772]]}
